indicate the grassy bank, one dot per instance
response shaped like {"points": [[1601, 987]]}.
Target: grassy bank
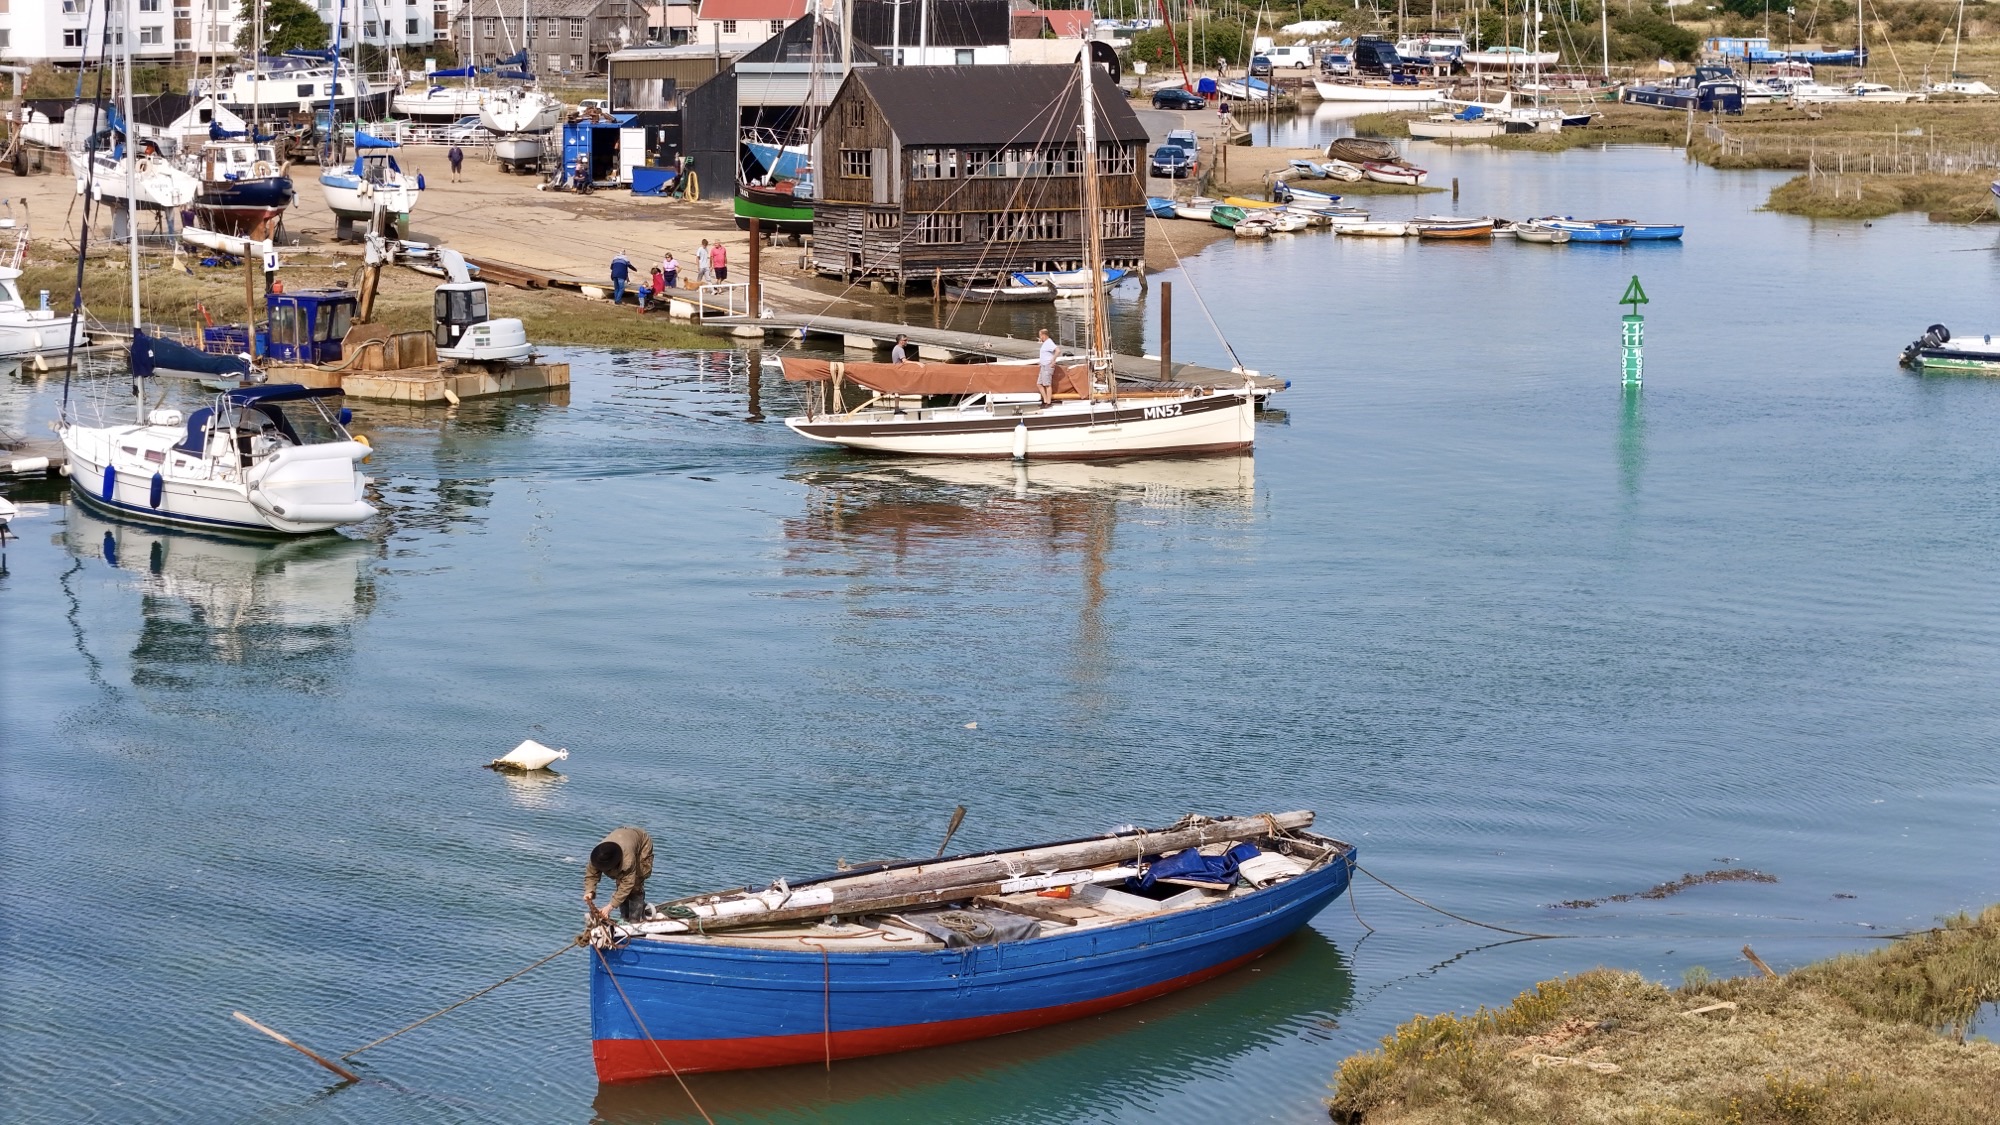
{"points": [[1954, 199], [1877, 1037], [175, 298]]}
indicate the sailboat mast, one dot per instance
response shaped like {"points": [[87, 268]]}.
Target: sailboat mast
{"points": [[131, 161], [256, 56], [1604, 26], [1093, 247], [1957, 38]]}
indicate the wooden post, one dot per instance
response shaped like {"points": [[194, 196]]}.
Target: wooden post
{"points": [[756, 280], [1166, 331], [250, 265]]}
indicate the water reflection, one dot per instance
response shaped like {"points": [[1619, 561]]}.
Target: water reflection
{"points": [[1631, 443], [1131, 1058], [274, 606]]}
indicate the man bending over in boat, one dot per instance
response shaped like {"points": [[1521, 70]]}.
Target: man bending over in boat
{"points": [[627, 856]]}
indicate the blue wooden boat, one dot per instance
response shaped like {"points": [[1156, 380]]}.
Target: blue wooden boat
{"points": [[1304, 197], [894, 956], [1588, 230], [1655, 232], [1160, 207]]}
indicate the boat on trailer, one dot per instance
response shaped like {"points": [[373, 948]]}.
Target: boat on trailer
{"points": [[898, 955]]}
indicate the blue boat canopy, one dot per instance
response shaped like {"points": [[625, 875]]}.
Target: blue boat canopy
{"points": [[280, 392], [461, 72], [150, 355], [363, 140], [518, 58]]}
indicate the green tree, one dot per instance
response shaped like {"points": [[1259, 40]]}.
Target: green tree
{"points": [[1213, 39], [289, 25]]}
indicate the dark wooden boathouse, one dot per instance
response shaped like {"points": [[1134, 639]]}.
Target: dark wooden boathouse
{"points": [[967, 173]]}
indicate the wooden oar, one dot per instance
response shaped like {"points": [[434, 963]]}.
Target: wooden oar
{"points": [[957, 818], [345, 1074]]}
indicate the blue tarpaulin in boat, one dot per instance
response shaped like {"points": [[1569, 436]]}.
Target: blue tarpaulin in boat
{"points": [[652, 181], [1191, 864], [152, 355], [363, 140]]}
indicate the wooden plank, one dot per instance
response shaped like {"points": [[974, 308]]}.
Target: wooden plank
{"points": [[1030, 909], [878, 905]]}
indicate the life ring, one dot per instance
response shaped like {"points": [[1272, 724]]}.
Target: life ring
{"points": [[262, 170]]}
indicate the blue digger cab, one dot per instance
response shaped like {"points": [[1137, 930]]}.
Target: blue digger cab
{"points": [[306, 326]]}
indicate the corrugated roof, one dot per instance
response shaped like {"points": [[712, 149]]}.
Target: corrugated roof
{"points": [[751, 9], [956, 105], [537, 9]]}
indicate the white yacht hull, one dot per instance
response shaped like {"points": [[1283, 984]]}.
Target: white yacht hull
{"points": [[1332, 91], [23, 336], [353, 198], [161, 186], [296, 491], [1216, 423], [439, 104], [529, 113]]}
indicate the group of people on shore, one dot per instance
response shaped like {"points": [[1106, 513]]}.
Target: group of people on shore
{"points": [[711, 264]]}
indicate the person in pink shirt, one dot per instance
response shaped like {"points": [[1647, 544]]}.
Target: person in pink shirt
{"points": [[720, 258]]}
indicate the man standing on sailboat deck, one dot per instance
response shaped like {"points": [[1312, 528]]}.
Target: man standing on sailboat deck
{"points": [[626, 854], [896, 353], [1045, 382]]}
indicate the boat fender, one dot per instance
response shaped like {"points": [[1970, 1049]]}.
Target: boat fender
{"points": [[346, 415], [110, 481], [363, 439], [1021, 440], [420, 181], [158, 491]]}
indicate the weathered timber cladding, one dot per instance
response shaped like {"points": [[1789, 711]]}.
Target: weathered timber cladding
{"points": [[879, 215]]}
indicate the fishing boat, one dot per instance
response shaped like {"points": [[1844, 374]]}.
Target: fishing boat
{"points": [[1938, 350], [26, 331], [1394, 173], [1533, 231], [244, 189], [780, 209], [1451, 226], [906, 954], [1376, 229], [1160, 207], [1408, 94], [373, 181]]}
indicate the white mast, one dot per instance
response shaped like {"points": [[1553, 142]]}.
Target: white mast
{"points": [[1099, 359], [1604, 24], [131, 178], [1957, 38]]}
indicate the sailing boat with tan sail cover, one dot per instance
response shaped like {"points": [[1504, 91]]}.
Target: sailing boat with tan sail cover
{"points": [[996, 410]]}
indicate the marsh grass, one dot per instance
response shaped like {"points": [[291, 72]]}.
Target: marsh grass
{"points": [[1878, 1037]]}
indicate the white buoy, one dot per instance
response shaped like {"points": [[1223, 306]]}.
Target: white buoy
{"points": [[1021, 440], [529, 755]]}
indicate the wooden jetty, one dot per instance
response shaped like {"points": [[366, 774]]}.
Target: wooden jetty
{"points": [[947, 344]]}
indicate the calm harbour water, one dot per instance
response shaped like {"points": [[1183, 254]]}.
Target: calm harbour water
{"points": [[1522, 636]]}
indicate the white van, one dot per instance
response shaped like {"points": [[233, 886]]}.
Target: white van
{"points": [[1298, 57]]}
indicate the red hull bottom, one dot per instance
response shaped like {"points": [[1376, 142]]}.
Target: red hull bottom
{"points": [[627, 1060]]}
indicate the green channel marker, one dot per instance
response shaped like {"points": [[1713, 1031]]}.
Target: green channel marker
{"points": [[1634, 334]]}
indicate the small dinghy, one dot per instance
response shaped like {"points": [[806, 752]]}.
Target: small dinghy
{"points": [[1451, 226], [1199, 209], [1304, 197], [1585, 230], [904, 954], [1227, 215], [1001, 293], [1308, 170], [1068, 283], [1394, 173], [1342, 170], [1532, 231], [1161, 207], [1374, 230]]}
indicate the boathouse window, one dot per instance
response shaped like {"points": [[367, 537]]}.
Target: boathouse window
{"points": [[933, 163], [777, 26], [1118, 224], [884, 220], [576, 29], [857, 113], [150, 35], [729, 27], [937, 230], [489, 27], [149, 5], [368, 30], [1114, 159], [1025, 226], [857, 163]]}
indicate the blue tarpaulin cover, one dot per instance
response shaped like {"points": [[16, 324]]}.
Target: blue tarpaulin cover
{"points": [[151, 355], [363, 140], [652, 181], [1191, 864]]}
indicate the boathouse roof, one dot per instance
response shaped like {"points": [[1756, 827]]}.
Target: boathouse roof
{"points": [[957, 105]]}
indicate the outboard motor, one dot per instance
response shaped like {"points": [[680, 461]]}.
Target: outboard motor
{"points": [[1937, 335]]}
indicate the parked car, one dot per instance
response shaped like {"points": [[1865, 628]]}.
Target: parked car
{"points": [[465, 130], [1260, 66], [1174, 97], [1298, 57], [1172, 162], [1186, 139], [1331, 63], [598, 104]]}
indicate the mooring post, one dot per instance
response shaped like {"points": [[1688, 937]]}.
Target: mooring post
{"points": [[1454, 189], [756, 279], [1166, 331], [1633, 334]]}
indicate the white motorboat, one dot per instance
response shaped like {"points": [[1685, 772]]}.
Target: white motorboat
{"points": [[37, 331], [427, 99], [1962, 88], [1379, 90], [373, 181], [1878, 92], [1453, 127], [240, 464], [995, 409], [520, 111], [296, 81]]}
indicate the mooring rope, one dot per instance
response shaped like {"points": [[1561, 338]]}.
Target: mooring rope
{"points": [[1447, 913], [649, 1036], [567, 946]]}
